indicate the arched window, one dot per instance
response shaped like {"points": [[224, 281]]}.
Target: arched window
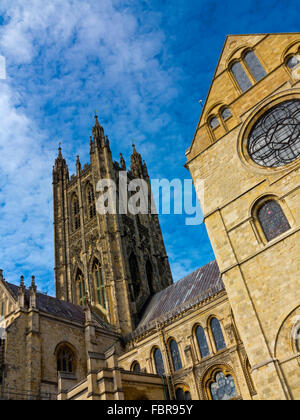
{"points": [[176, 360], [80, 285], [272, 219], [240, 76], [293, 61], [254, 65], [217, 334], [65, 360], [182, 394], [202, 342], [222, 387], [76, 212], [135, 275], [214, 122], [158, 361], [149, 272], [225, 113], [99, 284], [90, 196], [135, 367]]}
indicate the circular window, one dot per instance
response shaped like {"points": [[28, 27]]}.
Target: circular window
{"points": [[274, 140]]}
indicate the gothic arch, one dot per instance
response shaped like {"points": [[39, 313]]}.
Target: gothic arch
{"points": [[285, 341], [66, 350], [209, 375]]}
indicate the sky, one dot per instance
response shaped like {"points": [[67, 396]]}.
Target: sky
{"points": [[144, 66]]}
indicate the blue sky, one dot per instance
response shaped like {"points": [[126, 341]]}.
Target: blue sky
{"points": [[143, 65]]}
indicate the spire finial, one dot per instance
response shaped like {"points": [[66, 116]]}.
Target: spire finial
{"points": [[32, 280], [22, 281], [96, 118]]}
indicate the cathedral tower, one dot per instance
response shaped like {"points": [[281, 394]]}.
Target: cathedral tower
{"points": [[117, 261], [247, 150]]}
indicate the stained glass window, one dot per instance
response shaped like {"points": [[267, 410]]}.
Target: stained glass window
{"points": [[272, 219], [202, 342], [182, 395], [217, 334], [159, 364], [65, 360], [274, 140], [136, 367], [225, 113], [175, 355], [293, 61], [241, 76], [254, 65], [223, 388], [214, 122]]}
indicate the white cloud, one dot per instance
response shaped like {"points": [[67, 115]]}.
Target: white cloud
{"points": [[64, 59]]}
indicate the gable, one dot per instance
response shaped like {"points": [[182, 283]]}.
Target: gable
{"points": [[7, 299], [270, 50]]}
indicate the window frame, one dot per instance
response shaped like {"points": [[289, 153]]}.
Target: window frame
{"points": [[179, 358], [257, 205]]}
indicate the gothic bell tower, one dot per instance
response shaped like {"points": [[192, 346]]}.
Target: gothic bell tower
{"points": [[117, 261]]}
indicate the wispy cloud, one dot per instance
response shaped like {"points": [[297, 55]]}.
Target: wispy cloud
{"points": [[142, 65]]}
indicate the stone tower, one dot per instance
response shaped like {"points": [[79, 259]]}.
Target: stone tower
{"points": [[246, 149], [117, 261]]}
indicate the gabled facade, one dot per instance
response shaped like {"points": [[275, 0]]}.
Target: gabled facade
{"points": [[246, 149]]}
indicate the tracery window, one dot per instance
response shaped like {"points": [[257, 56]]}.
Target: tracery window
{"points": [[176, 360], [76, 212], [274, 140], [217, 334], [99, 284], [65, 360], [254, 65], [91, 201], [80, 288], [241, 76], [223, 387], [158, 361], [272, 219], [183, 395], [293, 61], [202, 342]]}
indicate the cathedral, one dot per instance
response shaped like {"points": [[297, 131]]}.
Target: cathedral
{"points": [[118, 327]]}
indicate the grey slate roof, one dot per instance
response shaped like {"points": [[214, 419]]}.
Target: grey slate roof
{"points": [[190, 290], [57, 307]]}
